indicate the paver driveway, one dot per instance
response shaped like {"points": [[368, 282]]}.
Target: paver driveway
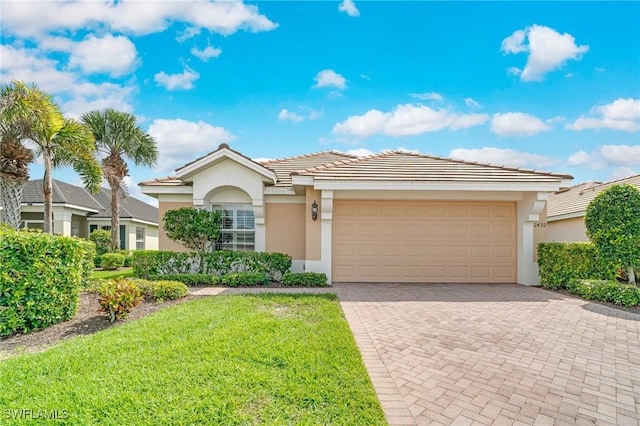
{"points": [[495, 354]]}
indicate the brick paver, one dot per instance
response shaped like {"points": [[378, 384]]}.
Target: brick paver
{"points": [[476, 354]]}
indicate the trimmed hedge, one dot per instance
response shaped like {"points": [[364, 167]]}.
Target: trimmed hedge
{"points": [[41, 276], [560, 263], [248, 279], [111, 261], [147, 263], [189, 279], [160, 290], [606, 291], [304, 279]]}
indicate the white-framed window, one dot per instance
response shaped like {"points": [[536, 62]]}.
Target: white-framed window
{"points": [[32, 224], [139, 238], [238, 227]]}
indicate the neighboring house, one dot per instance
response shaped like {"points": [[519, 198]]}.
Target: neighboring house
{"points": [[77, 212], [391, 217], [565, 214]]}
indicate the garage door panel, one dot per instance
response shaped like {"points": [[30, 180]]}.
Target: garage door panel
{"points": [[427, 241]]}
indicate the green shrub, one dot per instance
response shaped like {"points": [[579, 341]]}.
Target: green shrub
{"points": [[249, 279], [560, 263], [606, 291], [304, 279], [118, 298], [162, 290], [111, 261], [147, 263], [40, 279], [102, 239], [127, 257], [189, 279]]}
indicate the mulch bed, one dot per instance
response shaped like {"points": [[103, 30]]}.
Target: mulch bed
{"points": [[87, 321]]}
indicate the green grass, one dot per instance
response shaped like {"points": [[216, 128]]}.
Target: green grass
{"points": [[119, 273], [231, 360]]}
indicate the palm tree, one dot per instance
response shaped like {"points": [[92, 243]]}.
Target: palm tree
{"points": [[118, 137], [58, 140], [20, 107]]}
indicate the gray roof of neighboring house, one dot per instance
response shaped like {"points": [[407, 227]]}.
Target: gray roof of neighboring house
{"points": [[64, 193], [574, 200]]}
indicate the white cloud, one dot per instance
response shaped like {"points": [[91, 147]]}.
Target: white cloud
{"points": [[285, 114], [206, 53], [34, 19], [622, 172], [112, 55], [579, 158], [517, 124], [180, 141], [604, 156], [188, 33], [470, 102], [330, 78], [507, 157], [621, 114], [360, 152], [348, 7], [624, 155], [182, 81], [406, 120], [548, 50], [431, 96], [76, 95]]}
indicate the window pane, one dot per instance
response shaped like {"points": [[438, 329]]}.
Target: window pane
{"points": [[238, 223]]}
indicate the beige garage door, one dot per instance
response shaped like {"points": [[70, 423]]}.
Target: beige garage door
{"points": [[424, 241]]}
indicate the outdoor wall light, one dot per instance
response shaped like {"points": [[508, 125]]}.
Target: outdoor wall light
{"points": [[314, 211]]}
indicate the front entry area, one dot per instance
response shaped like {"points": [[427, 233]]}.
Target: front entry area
{"points": [[424, 241]]}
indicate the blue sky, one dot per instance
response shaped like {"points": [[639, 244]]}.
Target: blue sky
{"points": [[540, 85]]}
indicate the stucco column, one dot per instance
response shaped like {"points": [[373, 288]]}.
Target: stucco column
{"points": [[529, 210], [326, 216], [61, 222], [258, 214]]}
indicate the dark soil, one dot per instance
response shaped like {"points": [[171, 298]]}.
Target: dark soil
{"points": [[87, 321]]}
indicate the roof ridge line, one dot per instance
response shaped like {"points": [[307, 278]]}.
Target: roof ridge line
{"points": [[312, 154]]}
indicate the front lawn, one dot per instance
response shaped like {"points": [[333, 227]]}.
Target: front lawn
{"points": [[260, 359], [117, 273]]}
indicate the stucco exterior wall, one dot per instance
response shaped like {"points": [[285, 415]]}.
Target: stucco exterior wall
{"points": [[285, 229], [567, 230], [313, 228], [164, 242]]}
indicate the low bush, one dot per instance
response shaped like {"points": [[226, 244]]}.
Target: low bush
{"points": [[161, 290], [304, 279], [147, 263], [127, 257], [560, 263], [102, 239], [118, 298], [111, 261], [606, 291], [189, 279], [41, 276], [249, 279]]}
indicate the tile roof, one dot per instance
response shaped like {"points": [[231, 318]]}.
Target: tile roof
{"points": [[64, 193], [405, 166], [285, 166], [575, 200], [166, 181]]}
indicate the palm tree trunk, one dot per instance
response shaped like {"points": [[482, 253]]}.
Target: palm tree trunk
{"points": [[631, 274], [11, 193], [47, 188], [115, 215]]}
